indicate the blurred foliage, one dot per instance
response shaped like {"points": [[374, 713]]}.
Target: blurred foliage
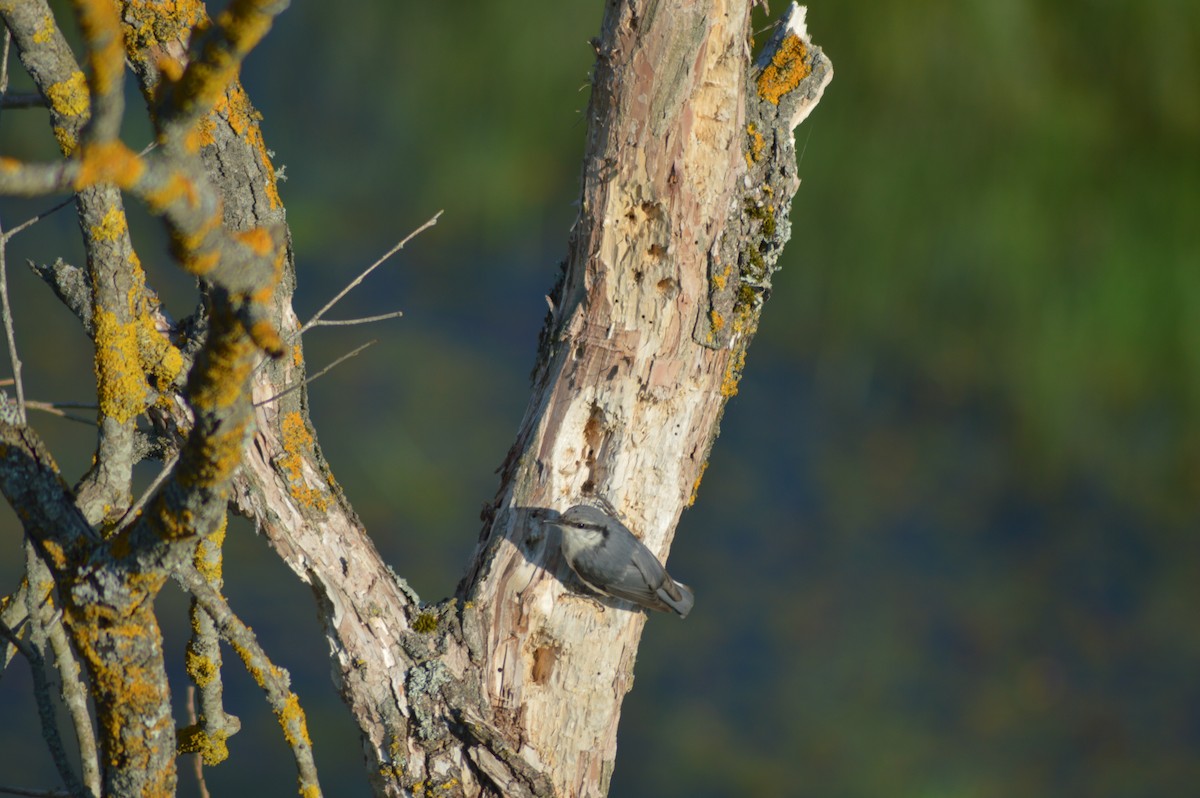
{"points": [[947, 541]]}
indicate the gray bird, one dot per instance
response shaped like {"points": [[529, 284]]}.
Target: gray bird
{"points": [[612, 561]]}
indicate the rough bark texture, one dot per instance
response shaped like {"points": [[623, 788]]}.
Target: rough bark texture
{"points": [[688, 180], [515, 687]]}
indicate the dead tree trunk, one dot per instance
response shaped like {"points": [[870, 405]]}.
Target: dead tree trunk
{"points": [[515, 686], [688, 180]]}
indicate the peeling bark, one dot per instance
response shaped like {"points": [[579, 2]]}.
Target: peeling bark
{"points": [[515, 686]]}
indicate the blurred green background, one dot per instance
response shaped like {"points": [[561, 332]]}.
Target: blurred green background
{"points": [[947, 545]]}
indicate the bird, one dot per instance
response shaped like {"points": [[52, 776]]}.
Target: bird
{"points": [[609, 559]]}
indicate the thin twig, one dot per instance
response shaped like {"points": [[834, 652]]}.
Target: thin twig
{"points": [[37, 217], [363, 320], [25, 99], [4, 64], [137, 506], [41, 690], [197, 758], [319, 374], [34, 793], [73, 405], [317, 316], [52, 409], [5, 310], [71, 687]]}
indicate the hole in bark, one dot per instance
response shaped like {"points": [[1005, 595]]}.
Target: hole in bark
{"points": [[544, 659]]}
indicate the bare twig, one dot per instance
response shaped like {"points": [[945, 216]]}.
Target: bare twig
{"points": [[353, 283], [4, 64], [37, 217], [32, 651], [5, 310], [34, 793], [74, 693], [318, 375], [197, 758], [25, 99], [55, 410], [363, 320], [132, 513]]}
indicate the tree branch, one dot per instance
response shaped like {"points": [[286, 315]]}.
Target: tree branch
{"points": [[316, 317], [273, 680]]}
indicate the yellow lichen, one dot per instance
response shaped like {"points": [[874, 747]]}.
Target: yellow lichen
{"points": [[786, 70], [719, 280], [45, 30], [226, 368], [220, 455], [69, 97], [158, 357], [112, 226], [121, 385], [291, 718], [757, 144], [201, 669], [213, 748], [65, 138], [207, 558]]}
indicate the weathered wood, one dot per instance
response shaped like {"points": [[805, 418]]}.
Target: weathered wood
{"points": [[687, 184]]}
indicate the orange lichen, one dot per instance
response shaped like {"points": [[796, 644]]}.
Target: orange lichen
{"points": [[257, 239], [177, 187], [109, 161], [267, 338], [296, 441], [101, 26], [128, 686], [786, 70], [696, 485], [733, 373], [243, 120], [202, 135]]}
